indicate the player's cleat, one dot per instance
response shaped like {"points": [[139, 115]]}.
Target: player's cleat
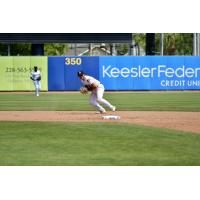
{"points": [[102, 111], [113, 108]]}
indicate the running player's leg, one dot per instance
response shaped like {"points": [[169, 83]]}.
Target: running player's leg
{"points": [[37, 87], [35, 84], [93, 101], [100, 99]]}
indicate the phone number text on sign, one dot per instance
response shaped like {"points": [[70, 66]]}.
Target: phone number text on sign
{"points": [[18, 70]]}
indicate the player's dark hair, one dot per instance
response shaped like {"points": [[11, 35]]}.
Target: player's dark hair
{"points": [[80, 73], [35, 68]]}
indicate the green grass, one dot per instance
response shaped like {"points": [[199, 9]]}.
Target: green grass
{"points": [[138, 101], [97, 144]]}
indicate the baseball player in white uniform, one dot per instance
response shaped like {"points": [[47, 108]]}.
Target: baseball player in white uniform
{"points": [[97, 91], [36, 77]]}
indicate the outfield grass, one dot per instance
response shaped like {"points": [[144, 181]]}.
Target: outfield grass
{"points": [[107, 144], [138, 101], [98, 144]]}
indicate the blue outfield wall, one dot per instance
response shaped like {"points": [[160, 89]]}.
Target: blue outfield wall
{"points": [[127, 72], [62, 71]]}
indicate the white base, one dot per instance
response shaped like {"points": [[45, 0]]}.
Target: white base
{"points": [[111, 117]]}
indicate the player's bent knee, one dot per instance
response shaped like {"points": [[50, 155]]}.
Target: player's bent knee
{"points": [[99, 100], [92, 103]]}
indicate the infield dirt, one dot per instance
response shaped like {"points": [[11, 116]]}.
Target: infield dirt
{"points": [[184, 121]]}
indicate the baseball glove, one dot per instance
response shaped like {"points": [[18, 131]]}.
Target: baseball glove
{"points": [[83, 90], [39, 78]]}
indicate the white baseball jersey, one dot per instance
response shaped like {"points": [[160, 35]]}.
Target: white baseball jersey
{"points": [[35, 75], [89, 80], [97, 94]]}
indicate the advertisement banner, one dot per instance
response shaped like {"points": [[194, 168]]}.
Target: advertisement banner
{"points": [[15, 72], [150, 72], [62, 71]]}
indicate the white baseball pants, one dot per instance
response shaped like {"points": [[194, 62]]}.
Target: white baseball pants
{"points": [[97, 97], [37, 87]]}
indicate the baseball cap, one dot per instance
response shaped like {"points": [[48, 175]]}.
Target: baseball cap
{"points": [[35, 68], [80, 73]]}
